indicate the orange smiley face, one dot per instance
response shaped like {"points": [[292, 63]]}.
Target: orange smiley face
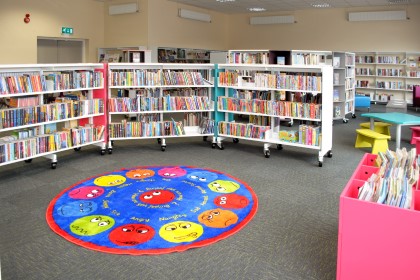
{"points": [[140, 173]]}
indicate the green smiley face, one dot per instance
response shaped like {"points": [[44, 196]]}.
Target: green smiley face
{"points": [[91, 225]]}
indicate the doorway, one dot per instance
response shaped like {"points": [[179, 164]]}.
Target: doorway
{"points": [[53, 50]]}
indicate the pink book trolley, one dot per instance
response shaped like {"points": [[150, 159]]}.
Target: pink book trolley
{"points": [[376, 241]]}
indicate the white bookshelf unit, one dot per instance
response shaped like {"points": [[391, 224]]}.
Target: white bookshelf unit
{"points": [[387, 76], [167, 100], [271, 93], [49, 108], [344, 85]]}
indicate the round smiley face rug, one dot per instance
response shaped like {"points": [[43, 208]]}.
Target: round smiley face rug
{"points": [[152, 209]]}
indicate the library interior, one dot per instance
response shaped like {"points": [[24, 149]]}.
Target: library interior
{"points": [[209, 139]]}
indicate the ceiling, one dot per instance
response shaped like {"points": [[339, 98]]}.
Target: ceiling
{"points": [[241, 6]]}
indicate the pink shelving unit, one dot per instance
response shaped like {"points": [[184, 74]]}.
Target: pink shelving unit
{"points": [[376, 241]]}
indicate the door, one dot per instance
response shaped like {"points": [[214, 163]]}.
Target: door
{"points": [[51, 50]]}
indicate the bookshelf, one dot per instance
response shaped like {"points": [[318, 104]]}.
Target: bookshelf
{"points": [[168, 101], [124, 54], [258, 57], [387, 76], [182, 55], [49, 108], [269, 94], [376, 241], [344, 85], [311, 57]]}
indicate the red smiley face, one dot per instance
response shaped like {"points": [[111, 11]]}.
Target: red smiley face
{"points": [[131, 234], [157, 197]]}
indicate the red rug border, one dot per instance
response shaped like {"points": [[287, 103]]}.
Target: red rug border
{"points": [[51, 223]]}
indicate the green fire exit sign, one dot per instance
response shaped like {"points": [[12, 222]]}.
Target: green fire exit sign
{"points": [[67, 30]]}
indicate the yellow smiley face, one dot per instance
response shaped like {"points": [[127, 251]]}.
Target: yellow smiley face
{"points": [[181, 231], [109, 180], [223, 186]]}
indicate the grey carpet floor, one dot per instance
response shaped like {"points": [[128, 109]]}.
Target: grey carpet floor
{"points": [[293, 235]]}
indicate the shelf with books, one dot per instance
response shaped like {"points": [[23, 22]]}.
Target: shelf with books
{"points": [[388, 74], [378, 219], [50, 108], [163, 100], [276, 93], [344, 85]]}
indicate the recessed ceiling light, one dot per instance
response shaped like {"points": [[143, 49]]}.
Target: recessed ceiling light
{"points": [[223, 1], [256, 9], [392, 2], [321, 5]]}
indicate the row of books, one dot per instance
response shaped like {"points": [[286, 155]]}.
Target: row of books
{"points": [[14, 149], [389, 72], [310, 135], [364, 59], [364, 71], [50, 112], [279, 80], [167, 103], [150, 77], [146, 129], [34, 82], [390, 85], [274, 108], [26, 101], [393, 184], [249, 58], [73, 80], [258, 94], [308, 58], [242, 129], [387, 59], [22, 83]]}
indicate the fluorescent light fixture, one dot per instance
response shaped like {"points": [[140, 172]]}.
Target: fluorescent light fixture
{"points": [[224, 1], [321, 5], [398, 2], [373, 16], [128, 8], [272, 20], [187, 14], [256, 9]]}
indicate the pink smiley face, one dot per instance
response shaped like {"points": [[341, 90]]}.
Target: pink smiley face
{"points": [[86, 192], [172, 172]]}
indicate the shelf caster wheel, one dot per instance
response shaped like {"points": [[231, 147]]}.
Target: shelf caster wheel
{"points": [[77, 149], [267, 154], [204, 138], [329, 154], [28, 160], [221, 147], [213, 146], [235, 140], [159, 140], [353, 116], [345, 121], [163, 148], [109, 150], [320, 164], [290, 124], [53, 165], [102, 152], [279, 147]]}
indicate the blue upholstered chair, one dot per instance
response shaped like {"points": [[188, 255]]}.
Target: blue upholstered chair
{"points": [[362, 101]]}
